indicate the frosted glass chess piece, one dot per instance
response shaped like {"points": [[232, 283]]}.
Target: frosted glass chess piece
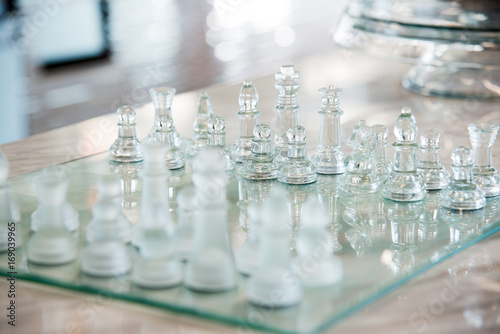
{"points": [[405, 183], [267, 286], [329, 157], [217, 140], [482, 138], [157, 266], [403, 217], [154, 188], [105, 254], [70, 215], [287, 84], [314, 243], [260, 164], [126, 147], [110, 191], [52, 243], [211, 266], [383, 165], [360, 177], [9, 211], [183, 237], [462, 193], [297, 168], [248, 119], [164, 130], [200, 126], [430, 168], [247, 257]]}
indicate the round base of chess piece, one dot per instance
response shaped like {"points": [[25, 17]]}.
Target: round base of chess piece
{"points": [[325, 273], [175, 159], [405, 187], [71, 218], [106, 259], [262, 287], [488, 180], [469, 197], [302, 172], [125, 151], [329, 161], [157, 273], [256, 170], [52, 247], [434, 178], [212, 271], [194, 145], [242, 149], [357, 184]]}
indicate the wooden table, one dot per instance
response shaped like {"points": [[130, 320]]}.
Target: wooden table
{"points": [[371, 91]]}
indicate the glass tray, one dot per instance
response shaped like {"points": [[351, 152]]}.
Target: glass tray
{"points": [[382, 245]]}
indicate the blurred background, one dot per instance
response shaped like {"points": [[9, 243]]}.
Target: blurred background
{"points": [[64, 61]]}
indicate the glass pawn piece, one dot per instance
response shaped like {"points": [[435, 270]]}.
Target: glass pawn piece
{"points": [[360, 177], [217, 140], [211, 266], [52, 243], [405, 183], [432, 171], [297, 168], [9, 211], [200, 126], [287, 84], [482, 137], [249, 117], [106, 254], [329, 270], [260, 164], [126, 147], [274, 260], [329, 158], [164, 130], [383, 165], [462, 193]]}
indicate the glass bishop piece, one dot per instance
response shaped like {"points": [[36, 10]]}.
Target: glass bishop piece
{"points": [[329, 158], [462, 193], [287, 84], [126, 147], [482, 137], [217, 140], [249, 117], [432, 171], [260, 164], [163, 130], [200, 126], [360, 177], [383, 165], [405, 183], [297, 169]]}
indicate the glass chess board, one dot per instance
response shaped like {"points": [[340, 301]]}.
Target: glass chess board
{"points": [[382, 245]]}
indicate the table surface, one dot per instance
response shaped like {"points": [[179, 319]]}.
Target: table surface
{"points": [[372, 91]]}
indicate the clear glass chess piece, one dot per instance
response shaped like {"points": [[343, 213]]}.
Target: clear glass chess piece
{"points": [[383, 165], [329, 196], [105, 255], [314, 243], [464, 225], [360, 177], [433, 173], [482, 138], [9, 211], [429, 220], [126, 147], [462, 193], [163, 130], [217, 140], [200, 126], [297, 168], [260, 164], [274, 261], [287, 84], [405, 183], [329, 157], [52, 243], [128, 173], [248, 118], [211, 265]]}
